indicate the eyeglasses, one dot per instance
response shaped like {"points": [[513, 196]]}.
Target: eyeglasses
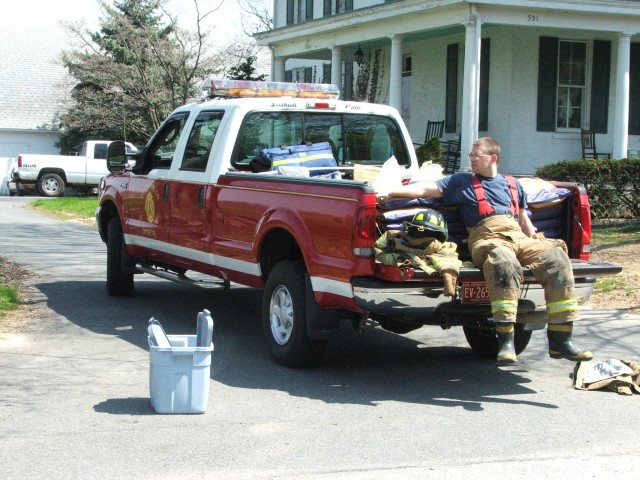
{"points": [[478, 155]]}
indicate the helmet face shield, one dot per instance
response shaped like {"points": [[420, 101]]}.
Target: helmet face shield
{"points": [[427, 223]]}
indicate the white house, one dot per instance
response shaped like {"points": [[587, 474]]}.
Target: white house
{"points": [[531, 73]]}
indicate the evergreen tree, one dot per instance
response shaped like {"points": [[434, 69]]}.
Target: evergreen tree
{"points": [[245, 70]]}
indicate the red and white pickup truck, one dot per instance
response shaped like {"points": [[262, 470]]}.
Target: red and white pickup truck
{"points": [[194, 202]]}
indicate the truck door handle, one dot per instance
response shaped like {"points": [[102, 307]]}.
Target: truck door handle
{"points": [[201, 197], [165, 193]]}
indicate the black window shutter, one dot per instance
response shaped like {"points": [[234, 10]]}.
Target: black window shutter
{"points": [[547, 78], [348, 82], [600, 85], [309, 10], [451, 99], [288, 76], [308, 75], [326, 9], [483, 108], [326, 73], [289, 12], [634, 90]]}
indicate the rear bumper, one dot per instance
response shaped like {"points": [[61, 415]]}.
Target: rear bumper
{"points": [[416, 298]]}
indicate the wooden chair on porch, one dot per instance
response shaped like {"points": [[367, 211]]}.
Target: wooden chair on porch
{"points": [[434, 130], [451, 155], [589, 150]]}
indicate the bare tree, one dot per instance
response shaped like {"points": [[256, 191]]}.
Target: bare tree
{"points": [[257, 16], [135, 70]]}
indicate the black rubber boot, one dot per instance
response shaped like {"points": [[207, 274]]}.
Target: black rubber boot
{"points": [[560, 345], [506, 348]]}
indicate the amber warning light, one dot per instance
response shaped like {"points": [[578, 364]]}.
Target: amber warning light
{"points": [[247, 88]]}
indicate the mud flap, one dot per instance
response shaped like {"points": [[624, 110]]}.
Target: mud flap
{"points": [[321, 323]]}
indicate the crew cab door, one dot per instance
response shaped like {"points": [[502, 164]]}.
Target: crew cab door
{"points": [[190, 191], [147, 197]]}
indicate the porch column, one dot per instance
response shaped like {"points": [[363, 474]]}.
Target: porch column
{"points": [[621, 120], [395, 75], [336, 68], [278, 68], [470, 92]]}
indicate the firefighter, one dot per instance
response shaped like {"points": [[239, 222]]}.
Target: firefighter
{"points": [[502, 239]]}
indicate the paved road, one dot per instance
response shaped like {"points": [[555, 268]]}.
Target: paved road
{"points": [[74, 397]]}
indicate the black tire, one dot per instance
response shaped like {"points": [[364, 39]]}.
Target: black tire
{"points": [[51, 185], [118, 282], [284, 322], [483, 340]]}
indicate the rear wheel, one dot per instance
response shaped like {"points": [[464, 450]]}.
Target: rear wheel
{"points": [[284, 321], [51, 185], [483, 339], [118, 282]]}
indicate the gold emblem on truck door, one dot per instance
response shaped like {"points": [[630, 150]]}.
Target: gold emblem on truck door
{"points": [[150, 208]]}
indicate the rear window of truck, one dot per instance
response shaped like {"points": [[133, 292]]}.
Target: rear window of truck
{"points": [[354, 138]]}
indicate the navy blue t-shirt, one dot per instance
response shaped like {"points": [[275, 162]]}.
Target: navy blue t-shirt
{"points": [[457, 190]]}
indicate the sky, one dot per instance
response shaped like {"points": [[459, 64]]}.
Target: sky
{"points": [[225, 20]]}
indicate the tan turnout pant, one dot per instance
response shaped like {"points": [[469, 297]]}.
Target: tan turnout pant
{"points": [[500, 248]]}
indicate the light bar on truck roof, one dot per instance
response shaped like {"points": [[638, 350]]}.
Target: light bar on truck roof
{"points": [[247, 88]]}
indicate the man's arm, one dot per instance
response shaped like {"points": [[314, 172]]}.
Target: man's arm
{"points": [[525, 224], [427, 189]]}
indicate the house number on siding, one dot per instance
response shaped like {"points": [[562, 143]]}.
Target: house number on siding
{"points": [[532, 18]]}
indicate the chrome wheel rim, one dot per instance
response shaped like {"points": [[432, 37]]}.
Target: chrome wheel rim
{"points": [[281, 312]]}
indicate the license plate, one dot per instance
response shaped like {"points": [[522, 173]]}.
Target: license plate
{"points": [[475, 292]]}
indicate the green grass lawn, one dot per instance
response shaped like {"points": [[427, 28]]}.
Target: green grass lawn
{"points": [[8, 299], [68, 207]]}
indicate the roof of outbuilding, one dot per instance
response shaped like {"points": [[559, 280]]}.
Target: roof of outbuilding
{"points": [[34, 85]]}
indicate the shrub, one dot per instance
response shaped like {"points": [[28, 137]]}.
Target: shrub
{"points": [[613, 185], [430, 152]]}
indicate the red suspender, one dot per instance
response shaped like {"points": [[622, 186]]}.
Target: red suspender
{"points": [[486, 210], [515, 209]]}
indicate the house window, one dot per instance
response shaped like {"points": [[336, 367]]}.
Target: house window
{"points": [[564, 80], [572, 77], [303, 11], [344, 6], [326, 8]]}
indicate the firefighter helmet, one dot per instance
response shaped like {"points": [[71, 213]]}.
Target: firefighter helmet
{"points": [[427, 223]]}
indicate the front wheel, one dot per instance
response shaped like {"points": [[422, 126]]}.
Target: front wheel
{"points": [[284, 322], [118, 282], [483, 339], [51, 185]]}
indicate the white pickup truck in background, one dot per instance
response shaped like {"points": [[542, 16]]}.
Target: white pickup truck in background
{"points": [[50, 174]]}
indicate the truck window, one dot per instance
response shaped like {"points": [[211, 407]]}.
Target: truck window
{"points": [[164, 144], [372, 140], [266, 130], [200, 141], [354, 138], [100, 151]]}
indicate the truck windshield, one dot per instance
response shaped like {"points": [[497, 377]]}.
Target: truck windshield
{"points": [[354, 138]]}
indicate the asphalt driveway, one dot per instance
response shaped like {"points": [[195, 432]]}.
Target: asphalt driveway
{"points": [[74, 391]]}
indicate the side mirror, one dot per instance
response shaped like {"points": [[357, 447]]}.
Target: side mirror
{"points": [[118, 160]]}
